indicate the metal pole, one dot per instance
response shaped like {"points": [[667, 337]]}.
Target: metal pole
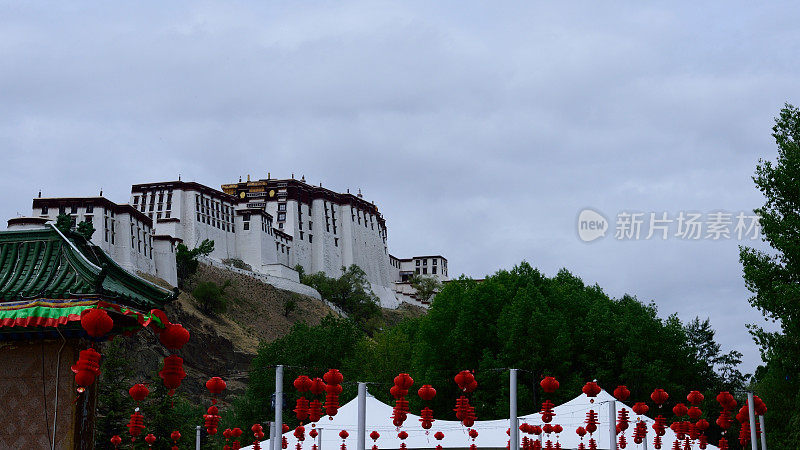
{"points": [[197, 439], [276, 444], [644, 441], [751, 408], [319, 439], [612, 425], [271, 434], [512, 410], [362, 416], [763, 433]]}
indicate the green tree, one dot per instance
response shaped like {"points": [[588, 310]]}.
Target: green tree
{"points": [[351, 292], [86, 229], [425, 286], [774, 279], [186, 260], [211, 297], [64, 222], [114, 405]]}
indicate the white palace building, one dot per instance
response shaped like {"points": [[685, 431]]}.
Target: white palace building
{"points": [[271, 225]]}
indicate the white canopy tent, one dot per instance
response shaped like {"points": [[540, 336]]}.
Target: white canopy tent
{"points": [[491, 433]]}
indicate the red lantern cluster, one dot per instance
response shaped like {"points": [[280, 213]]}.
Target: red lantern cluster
{"points": [[175, 436], [374, 435], [150, 439], [660, 428], [402, 383], [235, 434], [135, 425], [172, 373], [402, 435], [464, 411], [116, 440], [211, 419], [438, 436], [258, 434], [333, 387], [87, 369], [640, 432], [303, 384], [96, 322], [426, 393], [728, 403]]}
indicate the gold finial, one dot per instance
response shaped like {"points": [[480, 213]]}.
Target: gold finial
{"points": [[248, 177]]}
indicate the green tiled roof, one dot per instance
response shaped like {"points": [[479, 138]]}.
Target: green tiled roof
{"points": [[44, 263]]}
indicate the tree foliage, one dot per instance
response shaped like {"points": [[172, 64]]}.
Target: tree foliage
{"points": [[186, 260], [210, 297], [351, 292], [774, 279], [86, 229], [425, 286]]}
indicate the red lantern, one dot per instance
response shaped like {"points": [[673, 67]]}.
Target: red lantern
{"points": [[680, 410], [695, 413], [116, 440], [215, 385], [138, 392], [591, 389], [473, 433], [640, 408], [150, 439], [464, 380], [285, 428], [695, 397], [426, 417], [333, 376], [317, 386], [175, 436], [96, 322], [402, 435], [759, 406], [726, 400], [86, 369], [549, 384], [174, 336], [374, 435], [313, 433], [427, 392], [702, 425], [136, 424], [300, 433], [314, 410], [659, 396], [303, 383], [622, 393], [301, 410], [580, 431], [344, 434], [403, 381], [397, 392], [172, 374], [438, 435]]}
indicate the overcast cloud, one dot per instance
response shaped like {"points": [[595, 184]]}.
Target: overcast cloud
{"points": [[480, 130]]}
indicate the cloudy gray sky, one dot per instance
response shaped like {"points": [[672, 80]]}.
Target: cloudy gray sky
{"points": [[480, 129]]}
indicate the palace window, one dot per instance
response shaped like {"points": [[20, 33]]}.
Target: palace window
{"points": [[44, 209], [336, 241], [281, 206], [310, 238], [89, 209], [433, 270]]}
